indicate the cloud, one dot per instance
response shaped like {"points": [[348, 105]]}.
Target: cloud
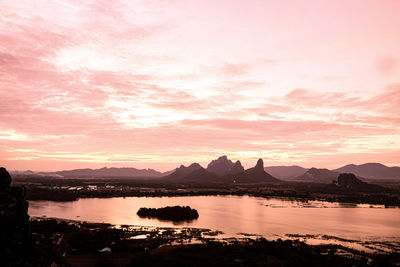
{"points": [[111, 81], [387, 65]]}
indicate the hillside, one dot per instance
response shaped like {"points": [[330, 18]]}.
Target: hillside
{"points": [[371, 171]]}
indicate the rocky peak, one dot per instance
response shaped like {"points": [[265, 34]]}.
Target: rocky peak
{"points": [[220, 166], [260, 164]]}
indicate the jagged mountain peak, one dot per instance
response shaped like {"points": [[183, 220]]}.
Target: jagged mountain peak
{"points": [[260, 164]]}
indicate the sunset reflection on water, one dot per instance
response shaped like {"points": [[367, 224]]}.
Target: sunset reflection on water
{"points": [[235, 214]]}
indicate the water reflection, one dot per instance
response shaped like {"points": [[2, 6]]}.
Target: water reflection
{"points": [[234, 214]]}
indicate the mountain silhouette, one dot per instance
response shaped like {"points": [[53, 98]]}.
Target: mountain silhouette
{"points": [[220, 166], [236, 173], [318, 176], [223, 166], [106, 172], [371, 170]]}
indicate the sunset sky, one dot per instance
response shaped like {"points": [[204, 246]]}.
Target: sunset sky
{"points": [[156, 84]]}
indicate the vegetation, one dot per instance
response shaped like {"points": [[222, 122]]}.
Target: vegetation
{"points": [[71, 243], [176, 213]]}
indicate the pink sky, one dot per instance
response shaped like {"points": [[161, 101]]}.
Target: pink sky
{"points": [[163, 83]]}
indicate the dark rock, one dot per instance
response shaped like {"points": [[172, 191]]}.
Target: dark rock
{"points": [[16, 245]]}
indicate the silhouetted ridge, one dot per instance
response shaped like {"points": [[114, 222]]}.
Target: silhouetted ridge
{"points": [[107, 172], [371, 170]]}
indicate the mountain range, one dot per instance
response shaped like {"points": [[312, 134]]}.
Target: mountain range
{"points": [[95, 173], [223, 169], [371, 171]]}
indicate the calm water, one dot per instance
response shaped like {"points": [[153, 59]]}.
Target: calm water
{"points": [[233, 214]]}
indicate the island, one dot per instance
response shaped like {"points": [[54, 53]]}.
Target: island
{"points": [[175, 213]]}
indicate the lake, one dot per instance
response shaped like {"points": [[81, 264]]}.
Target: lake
{"points": [[271, 218]]}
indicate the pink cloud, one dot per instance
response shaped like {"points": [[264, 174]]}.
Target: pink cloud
{"points": [[110, 82]]}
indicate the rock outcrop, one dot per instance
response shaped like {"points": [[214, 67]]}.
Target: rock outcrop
{"points": [[16, 245]]}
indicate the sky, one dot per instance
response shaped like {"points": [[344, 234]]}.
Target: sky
{"points": [[156, 84]]}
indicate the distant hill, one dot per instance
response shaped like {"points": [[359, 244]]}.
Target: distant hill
{"points": [[318, 176], [107, 172], [256, 174], [285, 172], [371, 171], [223, 166]]}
